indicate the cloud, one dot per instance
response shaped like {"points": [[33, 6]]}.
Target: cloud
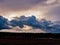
{"points": [[31, 23], [8, 7], [51, 2], [56, 12], [23, 4], [20, 4], [15, 23], [50, 9], [3, 23], [53, 13]]}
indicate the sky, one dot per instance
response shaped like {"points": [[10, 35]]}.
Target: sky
{"points": [[41, 9], [49, 9]]}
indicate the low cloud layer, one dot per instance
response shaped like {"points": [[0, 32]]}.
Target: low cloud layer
{"points": [[43, 24], [4, 23]]}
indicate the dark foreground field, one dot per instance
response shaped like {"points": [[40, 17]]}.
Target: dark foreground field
{"points": [[29, 39]]}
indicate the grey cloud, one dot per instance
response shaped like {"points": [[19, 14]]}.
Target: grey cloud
{"points": [[51, 2], [43, 24], [54, 12], [20, 4], [3, 23], [24, 4]]}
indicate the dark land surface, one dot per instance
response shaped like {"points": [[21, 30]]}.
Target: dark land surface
{"points": [[29, 39]]}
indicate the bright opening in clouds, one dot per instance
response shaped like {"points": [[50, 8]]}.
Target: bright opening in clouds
{"points": [[30, 15]]}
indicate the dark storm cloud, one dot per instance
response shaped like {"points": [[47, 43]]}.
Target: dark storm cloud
{"points": [[45, 25], [3, 23]]}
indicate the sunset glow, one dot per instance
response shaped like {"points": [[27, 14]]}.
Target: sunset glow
{"points": [[27, 15], [38, 14]]}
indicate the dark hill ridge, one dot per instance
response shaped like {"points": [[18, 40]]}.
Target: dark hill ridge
{"points": [[29, 38], [30, 35]]}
